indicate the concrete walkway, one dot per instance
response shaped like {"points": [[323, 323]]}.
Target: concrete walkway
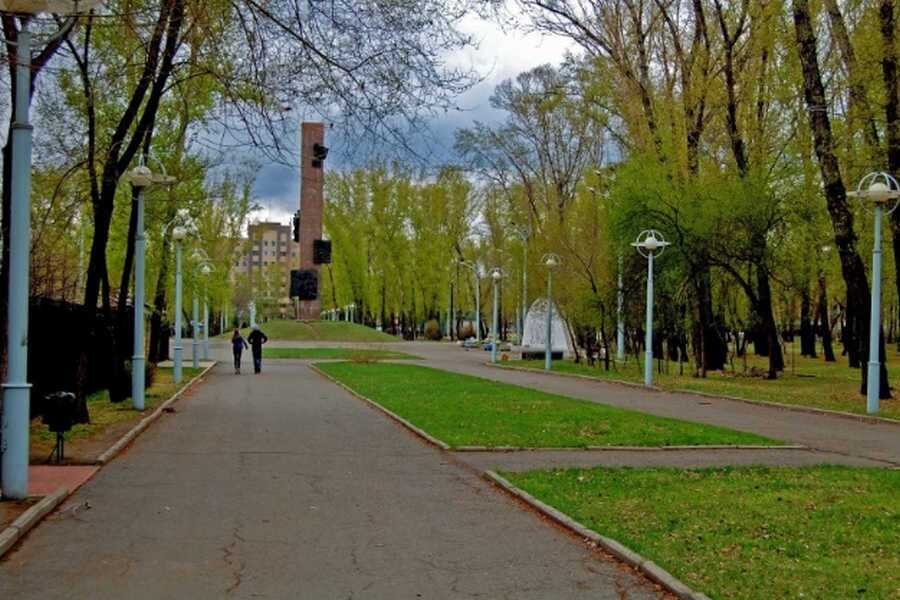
{"points": [[825, 433], [284, 486]]}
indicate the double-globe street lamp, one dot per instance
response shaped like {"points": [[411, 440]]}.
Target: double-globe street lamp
{"points": [[475, 270], [649, 243], [496, 276], [184, 226], [880, 191], [16, 389], [551, 261]]}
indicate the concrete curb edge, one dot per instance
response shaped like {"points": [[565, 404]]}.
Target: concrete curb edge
{"points": [[790, 407], [416, 430], [650, 569], [31, 517], [113, 451], [500, 449]]}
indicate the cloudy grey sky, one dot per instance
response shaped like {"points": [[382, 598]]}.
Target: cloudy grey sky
{"points": [[499, 55]]}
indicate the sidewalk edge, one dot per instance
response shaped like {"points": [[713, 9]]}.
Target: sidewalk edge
{"points": [[10, 536], [510, 449], [623, 553]]}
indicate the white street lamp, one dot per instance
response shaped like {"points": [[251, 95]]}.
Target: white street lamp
{"points": [[878, 191], [16, 389], [179, 233], [198, 256], [205, 271], [496, 275], [474, 268], [648, 243], [141, 177], [551, 261]]}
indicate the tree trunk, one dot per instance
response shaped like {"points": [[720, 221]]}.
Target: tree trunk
{"points": [[852, 267], [825, 321], [892, 114], [807, 332], [714, 350], [769, 327]]}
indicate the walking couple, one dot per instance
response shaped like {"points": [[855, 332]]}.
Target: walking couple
{"points": [[256, 339]]}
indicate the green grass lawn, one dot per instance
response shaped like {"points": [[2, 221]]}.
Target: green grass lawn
{"points": [[745, 533], [105, 414], [462, 410], [811, 382], [319, 331], [353, 354]]}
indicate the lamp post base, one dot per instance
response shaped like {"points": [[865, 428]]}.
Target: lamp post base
{"points": [[872, 387], [176, 368], [648, 369], [16, 419], [137, 382]]}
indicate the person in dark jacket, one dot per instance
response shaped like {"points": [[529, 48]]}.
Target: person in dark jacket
{"points": [[257, 338], [238, 345]]}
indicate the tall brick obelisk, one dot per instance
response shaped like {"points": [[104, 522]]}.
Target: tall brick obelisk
{"points": [[312, 175]]}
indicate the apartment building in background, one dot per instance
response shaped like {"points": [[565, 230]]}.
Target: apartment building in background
{"points": [[268, 256]]}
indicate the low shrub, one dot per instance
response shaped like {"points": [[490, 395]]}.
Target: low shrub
{"points": [[433, 331]]}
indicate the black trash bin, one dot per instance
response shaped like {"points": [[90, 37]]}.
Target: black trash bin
{"points": [[60, 415]]}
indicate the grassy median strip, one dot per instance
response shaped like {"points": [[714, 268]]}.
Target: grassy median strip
{"points": [[352, 354], [468, 411], [744, 533], [805, 381], [105, 414]]}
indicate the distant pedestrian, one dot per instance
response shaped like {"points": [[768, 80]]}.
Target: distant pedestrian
{"points": [[257, 338], [238, 345]]}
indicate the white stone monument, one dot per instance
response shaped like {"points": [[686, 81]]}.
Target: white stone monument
{"points": [[535, 332]]}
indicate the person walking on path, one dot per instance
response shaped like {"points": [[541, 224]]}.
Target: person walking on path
{"points": [[257, 338], [238, 345]]}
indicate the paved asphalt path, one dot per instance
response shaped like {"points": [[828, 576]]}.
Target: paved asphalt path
{"points": [[284, 486]]}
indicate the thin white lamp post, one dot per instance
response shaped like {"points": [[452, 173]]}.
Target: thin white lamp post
{"points": [[141, 177], [474, 268], [252, 314], [179, 233], [879, 191], [205, 271], [200, 257], [16, 389], [649, 243], [496, 276], [551, 261]]}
